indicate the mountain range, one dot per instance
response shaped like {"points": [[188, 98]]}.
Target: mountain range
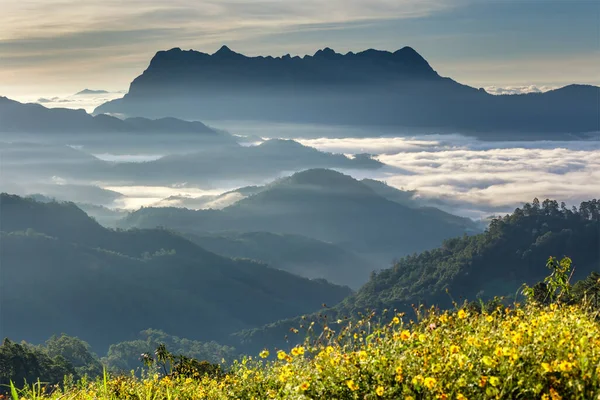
{"points": [[321, 204], [367, 88], [207, 164], [16, 117], [107, 286]]}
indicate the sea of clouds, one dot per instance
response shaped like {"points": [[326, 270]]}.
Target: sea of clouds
{"points": [[477, 178]]}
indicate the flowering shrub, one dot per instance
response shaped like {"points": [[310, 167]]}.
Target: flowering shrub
{"points": [[525, 352]]}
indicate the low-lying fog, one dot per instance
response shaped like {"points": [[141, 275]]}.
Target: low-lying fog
{"points": [[460, 174]]}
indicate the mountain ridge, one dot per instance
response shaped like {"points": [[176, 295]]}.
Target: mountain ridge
{"points": [[370, 88]]}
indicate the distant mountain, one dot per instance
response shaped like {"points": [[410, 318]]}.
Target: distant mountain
{"points": [[513, 251], [214, 202], [321, 204], [32, 118], [107, 286], [239, 163], [226, 164], [297, 254], [85, 92], [407, 198], [368, 88]]}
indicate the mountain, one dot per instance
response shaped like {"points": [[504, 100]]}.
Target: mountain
{"points": [[297, 254], [367, 88], [86, 92], [321, 204], [407, 198], [240, 163], [217, 166], [513, 251], [106, 286], [16, 117]]}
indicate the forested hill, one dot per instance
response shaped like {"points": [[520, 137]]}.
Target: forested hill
{"points": [[106, 286], [512, 251]]}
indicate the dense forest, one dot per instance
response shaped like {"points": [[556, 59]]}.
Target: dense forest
{"points": [[495, 263]]}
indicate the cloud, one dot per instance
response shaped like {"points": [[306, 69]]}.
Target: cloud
{"points": [[86, 102], [475, 178], [518, 89]]}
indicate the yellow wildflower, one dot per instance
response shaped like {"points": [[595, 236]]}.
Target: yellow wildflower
{"points": [[546, 367], [304, 387], [462, 314], [460, 396], [405, 335], [429, 383], [417, 380], [281, 355], [565, 366], [351, 385], [483, 381], [396, 320], [494, 381], [454, 349], [362, 355], [264, 354], [379, 391], [298, 351], [554, 395], [487, 361]]}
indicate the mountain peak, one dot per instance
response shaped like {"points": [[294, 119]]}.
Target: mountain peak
{"points": [[328, 179], [223, 50], [326, 53], [90, 91]]}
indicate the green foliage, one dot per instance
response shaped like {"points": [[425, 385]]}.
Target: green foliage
{"points": [[23, 364], [179, 366], [75, 351], [125, 356], [494, 263]]}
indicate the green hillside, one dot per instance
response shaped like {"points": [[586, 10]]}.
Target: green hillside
{"points": [[297, 254], [494, 263], [106, 286]]}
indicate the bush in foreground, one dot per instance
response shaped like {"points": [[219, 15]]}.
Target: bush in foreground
{"points": [[527, 352]]}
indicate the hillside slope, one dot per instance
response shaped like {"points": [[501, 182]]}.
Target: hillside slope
{"points": [[512, 251], [75, 276]]}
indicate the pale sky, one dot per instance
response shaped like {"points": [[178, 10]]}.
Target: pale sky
{"points": [[57, 47]]}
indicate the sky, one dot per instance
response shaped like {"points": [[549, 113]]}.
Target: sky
{"points": [[58, 47]]}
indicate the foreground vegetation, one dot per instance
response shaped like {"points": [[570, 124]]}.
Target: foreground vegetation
{"points": [[525, 352], [548, 348]]}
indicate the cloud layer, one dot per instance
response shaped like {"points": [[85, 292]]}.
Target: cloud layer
{"points": [[518, 89], [476, 178]]}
